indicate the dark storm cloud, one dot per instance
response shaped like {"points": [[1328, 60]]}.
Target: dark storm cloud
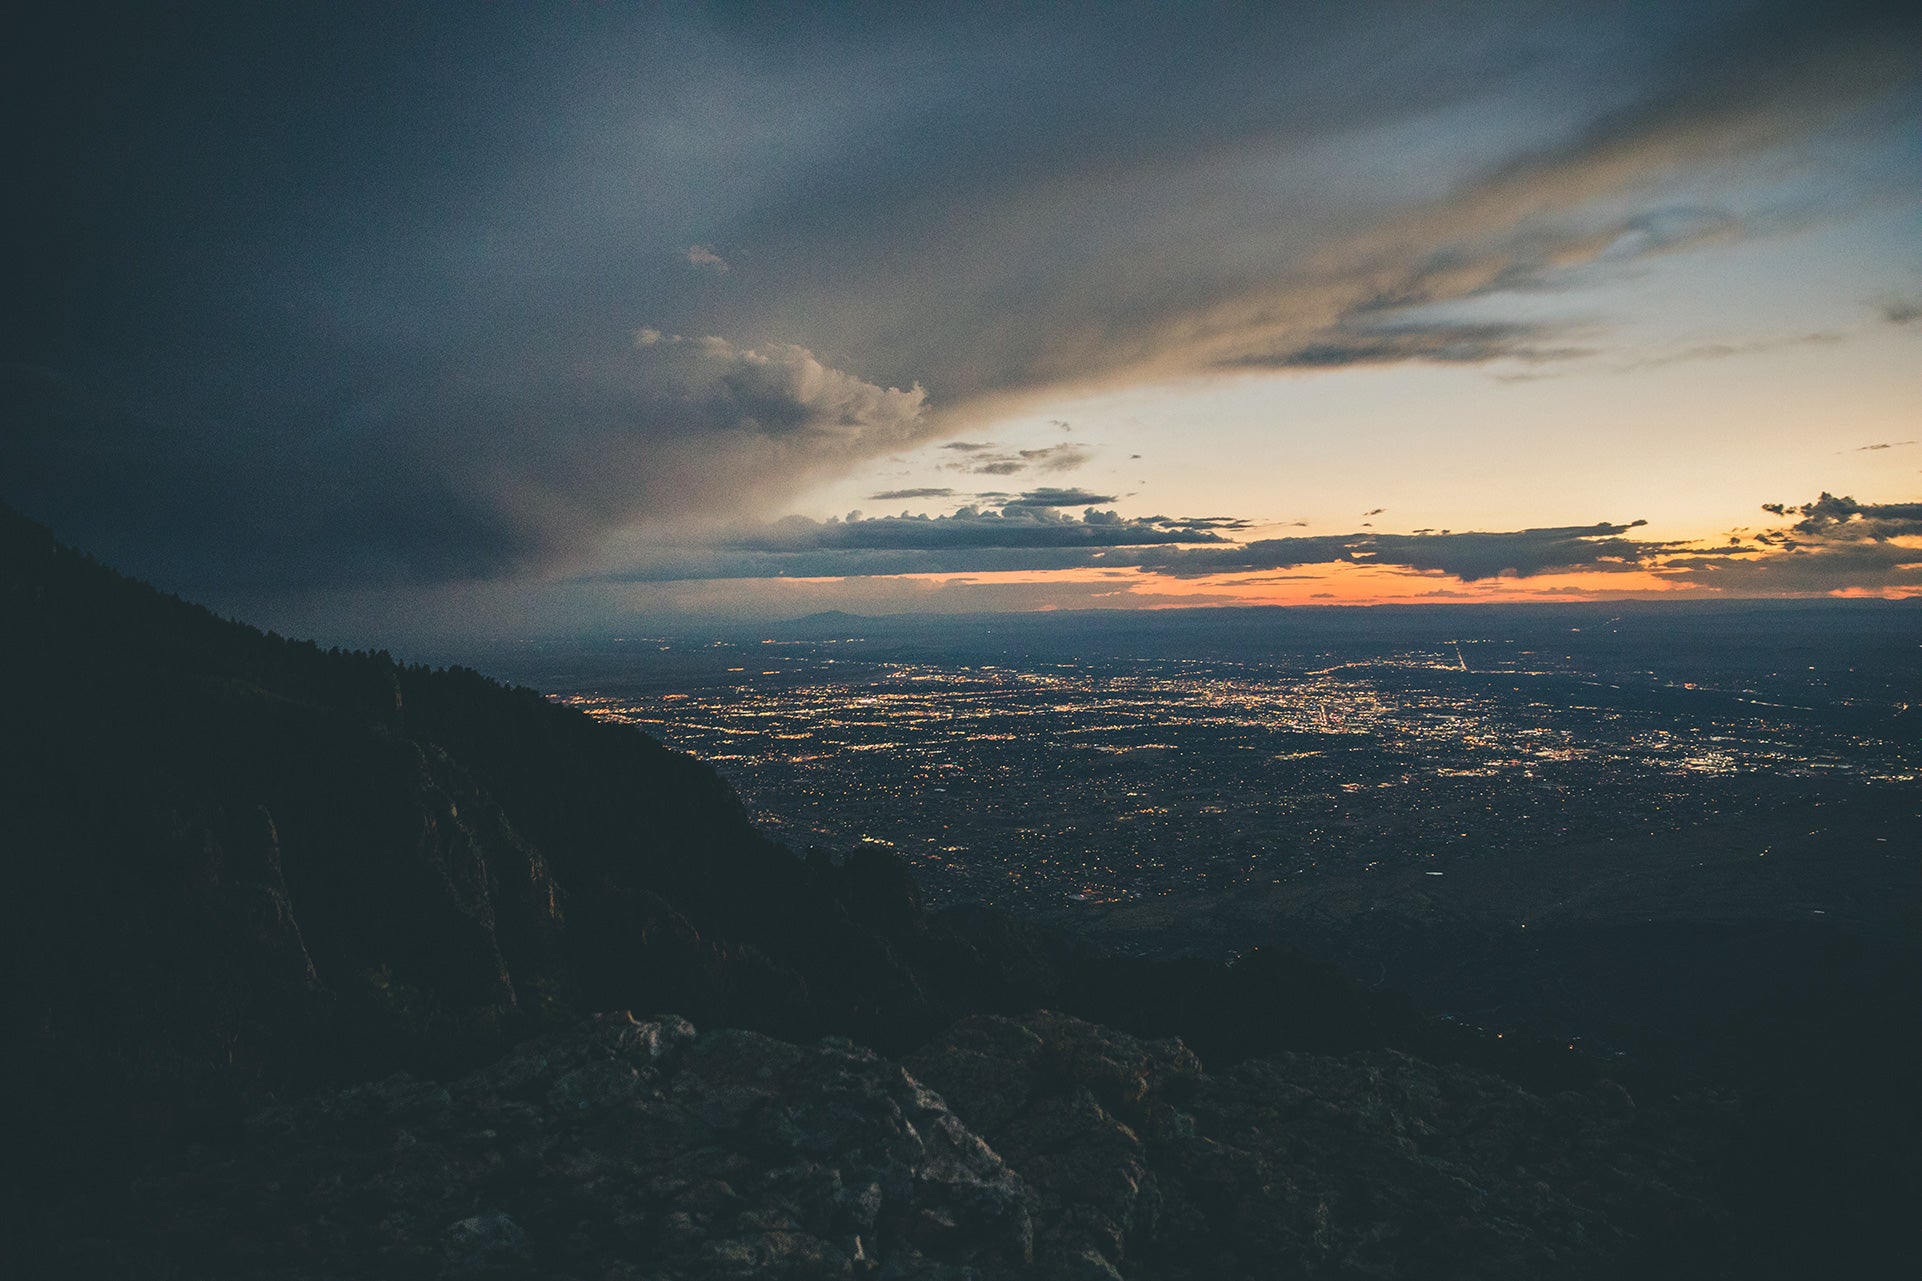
{"points": [[343, 292], [289, 509], [482, 473]]}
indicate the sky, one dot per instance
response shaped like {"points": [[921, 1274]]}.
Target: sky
{"points": [[412, 320]]}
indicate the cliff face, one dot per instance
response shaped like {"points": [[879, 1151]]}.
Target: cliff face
{"points": [[1054, 1148]]}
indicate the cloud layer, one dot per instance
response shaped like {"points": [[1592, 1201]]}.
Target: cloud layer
{"points": [[334, 295], [480, 472], [1837, 544]]}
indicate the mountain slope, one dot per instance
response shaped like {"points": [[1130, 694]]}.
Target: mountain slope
{"points": [[242, 869], [241, 864]]}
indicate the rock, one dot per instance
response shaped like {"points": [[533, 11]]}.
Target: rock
{"points": [[620, 1148], [1140, 1165], [485, 1245], [1041, 1146]]}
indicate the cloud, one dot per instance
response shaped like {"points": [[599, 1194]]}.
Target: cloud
{"points": [[1726, 350], [1672, 228], [1259, 248], [1017, 525], [1261, 554], [1523, 553], [1833, 519], [974, 539], [1893, 444], [1018, 538], [404, 354], [1051, 459], [1440, 342], [1803, 569], [499, 471], [1902, 311], [892, 495], [1838, 544], [1048, 497], [1468, 556]]}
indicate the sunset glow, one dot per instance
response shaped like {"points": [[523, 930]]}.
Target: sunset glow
{"points": [[680, 310]]}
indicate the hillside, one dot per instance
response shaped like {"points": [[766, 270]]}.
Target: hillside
{"points": [[250, 877], [278, 866]]}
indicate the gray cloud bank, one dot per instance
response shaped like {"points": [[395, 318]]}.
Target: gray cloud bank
{"points": [[467, 476], [1037, 538], [1468, 556], [1838, 543], [348, 294]]}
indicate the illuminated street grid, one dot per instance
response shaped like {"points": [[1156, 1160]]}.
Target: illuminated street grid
{"points": [[1114, 779]]}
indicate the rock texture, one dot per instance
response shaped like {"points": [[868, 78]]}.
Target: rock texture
{"points": [[242, 868], [620, 1149], [626, 1149], [1376, 1164]]}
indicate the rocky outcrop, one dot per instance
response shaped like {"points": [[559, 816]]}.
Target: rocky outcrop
{"points": [[1139, 1164], [1055, 1148], [620, 1149]]}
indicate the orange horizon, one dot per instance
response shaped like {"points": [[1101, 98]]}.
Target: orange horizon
{"points": [[1347, 584]]}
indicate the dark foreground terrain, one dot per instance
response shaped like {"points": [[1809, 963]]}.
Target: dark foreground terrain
{"points": [[306, 950], [1053, 1148]]}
